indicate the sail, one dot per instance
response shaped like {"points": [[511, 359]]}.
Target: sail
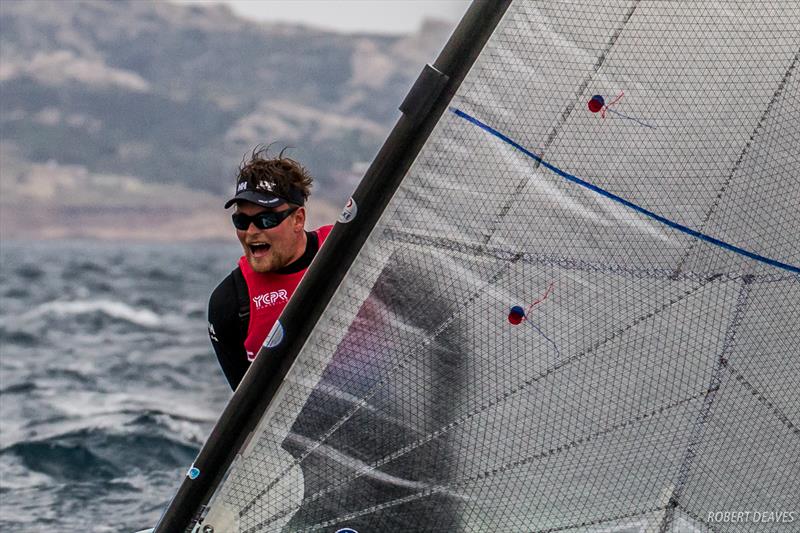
{"points": [[579, 309]]}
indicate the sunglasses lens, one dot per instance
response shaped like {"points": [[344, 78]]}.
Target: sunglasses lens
{"points": [[265, 220], [241, 221]]}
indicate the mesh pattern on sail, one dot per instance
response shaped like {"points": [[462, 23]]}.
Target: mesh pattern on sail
{"points": [[655, 382]]}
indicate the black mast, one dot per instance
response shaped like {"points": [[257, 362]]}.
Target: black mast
{"points": [[422, 108]]}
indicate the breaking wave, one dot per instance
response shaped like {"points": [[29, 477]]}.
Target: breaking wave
{"points": [[108, 383], [118, 310]]}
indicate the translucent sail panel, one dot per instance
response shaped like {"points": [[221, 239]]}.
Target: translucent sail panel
{"points": [[578, 313], [700, 118]]}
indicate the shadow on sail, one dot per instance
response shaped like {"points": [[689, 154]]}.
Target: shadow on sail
{"points": [[564, 296]]}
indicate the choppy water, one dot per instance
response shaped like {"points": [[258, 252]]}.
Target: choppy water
{"points": [[108, 383]]}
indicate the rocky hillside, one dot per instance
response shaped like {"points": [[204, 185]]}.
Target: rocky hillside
{"points": [[148, 107]]}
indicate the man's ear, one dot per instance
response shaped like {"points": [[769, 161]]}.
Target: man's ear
{"points": [[300, 218]]}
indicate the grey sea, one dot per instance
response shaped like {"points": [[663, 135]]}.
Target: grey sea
{"points": [[108, 383]]}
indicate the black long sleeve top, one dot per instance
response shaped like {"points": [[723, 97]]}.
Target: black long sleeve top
{"points": [[227, 329]]}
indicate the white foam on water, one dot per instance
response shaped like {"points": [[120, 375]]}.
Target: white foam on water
{"points": [[140, 316]]}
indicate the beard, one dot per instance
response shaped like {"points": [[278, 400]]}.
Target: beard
{"points": [[274, 259]]}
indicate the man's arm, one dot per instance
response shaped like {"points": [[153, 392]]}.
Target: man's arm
{"points": [[224, 329]]}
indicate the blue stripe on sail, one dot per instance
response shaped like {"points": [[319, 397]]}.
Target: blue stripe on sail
{"points": [[623, 201]]}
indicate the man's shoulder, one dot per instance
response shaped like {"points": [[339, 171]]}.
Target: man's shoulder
{"points": [[323, 232], [224, 298]]}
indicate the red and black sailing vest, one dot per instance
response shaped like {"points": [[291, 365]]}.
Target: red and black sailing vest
{"points": [[269, 292]]}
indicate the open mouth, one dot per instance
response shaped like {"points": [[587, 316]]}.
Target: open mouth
{"points": [[259, 249]]}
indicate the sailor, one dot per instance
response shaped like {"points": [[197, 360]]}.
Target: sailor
{"points": [[269, 216]]}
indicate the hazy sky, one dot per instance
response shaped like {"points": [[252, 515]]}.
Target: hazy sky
{"points": [[384, 16]]}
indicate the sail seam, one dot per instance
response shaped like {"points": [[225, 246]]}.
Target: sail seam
{"points": [[403, 393], [578, 442], [699, 429], [627, 203], [568, 263], [520, 462], [699, 519], [761, 397], [374, 508], [601, 520], [488, 405], [370, 393], [567, 111], [739, 160]]}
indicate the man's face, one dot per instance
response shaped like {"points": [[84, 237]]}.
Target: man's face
{"points": [[271, 249]]}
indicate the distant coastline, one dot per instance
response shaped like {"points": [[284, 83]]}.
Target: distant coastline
{"points": [[127, 120], [202, 221]]}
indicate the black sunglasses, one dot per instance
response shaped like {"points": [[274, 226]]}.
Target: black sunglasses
{"points": [[263, 220]]}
